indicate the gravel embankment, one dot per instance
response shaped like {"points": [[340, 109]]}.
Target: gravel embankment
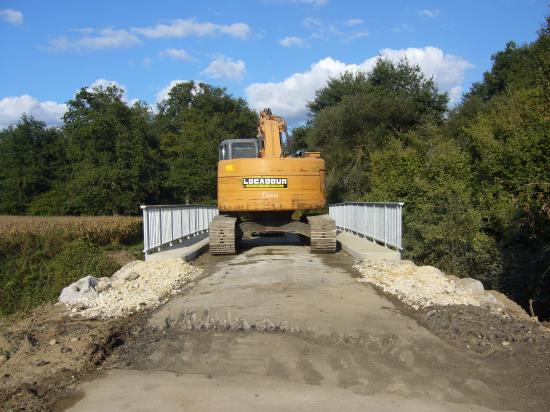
{"points": [[137, 286], [419, 287]]}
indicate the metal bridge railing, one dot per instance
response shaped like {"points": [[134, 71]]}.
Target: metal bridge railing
{"points": [[378, 221], [165, 225]]}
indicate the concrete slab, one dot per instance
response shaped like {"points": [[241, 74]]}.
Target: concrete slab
{"points": [[363, 249], [288, 283], [136, 390], [188, 250]]}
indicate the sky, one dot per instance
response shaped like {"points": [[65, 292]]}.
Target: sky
{"points": [[273, 53]]}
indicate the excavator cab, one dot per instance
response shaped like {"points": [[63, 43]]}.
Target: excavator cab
{"points": [[239, 149]]}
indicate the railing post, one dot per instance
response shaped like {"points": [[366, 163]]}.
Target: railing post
{"points": [[145, 213], [160, 227]]}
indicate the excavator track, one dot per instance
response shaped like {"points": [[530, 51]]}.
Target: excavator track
{"points": [[322, 234], [222, 235]]}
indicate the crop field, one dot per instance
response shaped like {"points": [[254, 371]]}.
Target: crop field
{"points": [[97, 229]]}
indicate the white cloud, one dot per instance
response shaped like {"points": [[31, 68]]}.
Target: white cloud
{"points": [[238, 30], [223, 67], [190, 27], [321, 30], [11, 16], [13, 107], [312, 24], [358, 35], [293, 41], [50, 112], [94, 39], [429, 13], [401, 28], [177, 54], [446, 69], [353, 22], [455, 94], [288, 98]]}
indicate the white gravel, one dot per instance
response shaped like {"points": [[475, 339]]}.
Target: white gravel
{"points": [[418, 287], [137, 286]]}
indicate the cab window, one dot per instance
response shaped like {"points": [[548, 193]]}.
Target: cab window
{"points": [[241, 150]]}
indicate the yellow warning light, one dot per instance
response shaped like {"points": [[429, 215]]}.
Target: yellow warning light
{"points": [[229, 168]]}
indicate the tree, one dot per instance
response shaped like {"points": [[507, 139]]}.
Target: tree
{"points": [[503, 124], [519, 67], [111, 151], [347, 84], [297, 140], [191, 123], [432, 175], [509, 141], [356, 114], [31, 159]]}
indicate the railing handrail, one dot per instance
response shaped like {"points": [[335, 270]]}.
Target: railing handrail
{"points": [[165, 225], [367, 203], [181, 205], [378, 221]]}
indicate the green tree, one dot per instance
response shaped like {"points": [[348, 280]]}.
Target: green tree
{"points": [[509, 141], [503, 123], [517, 67], [112, 153], [191, 123], [356, 114], [297, 140], [31, 159], [433, 176]]}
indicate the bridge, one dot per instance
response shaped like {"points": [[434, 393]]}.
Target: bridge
{"points": [[277, 328], [366, 229]]}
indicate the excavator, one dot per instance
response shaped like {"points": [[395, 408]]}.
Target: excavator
{"points": [[259, 189]]}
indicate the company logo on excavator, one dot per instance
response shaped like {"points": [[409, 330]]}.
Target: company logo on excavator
{"points": [[265, 182]]}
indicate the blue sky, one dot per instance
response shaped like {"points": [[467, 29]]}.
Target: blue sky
{"points": [[272, 52]]}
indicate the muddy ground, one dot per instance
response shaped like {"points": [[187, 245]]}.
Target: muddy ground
{"points": [[467, 358], [45, 351]]}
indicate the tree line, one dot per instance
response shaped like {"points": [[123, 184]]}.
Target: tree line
{"points": [[108, 157], [475, 179]]}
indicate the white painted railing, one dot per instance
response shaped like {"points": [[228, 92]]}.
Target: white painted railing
{"points": [[378, 221], [165, 225]]}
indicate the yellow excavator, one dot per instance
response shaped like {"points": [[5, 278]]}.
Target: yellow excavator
{"points": [[259, 188]]}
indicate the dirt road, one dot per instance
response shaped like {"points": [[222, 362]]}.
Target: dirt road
{"points": [[299, 333]]}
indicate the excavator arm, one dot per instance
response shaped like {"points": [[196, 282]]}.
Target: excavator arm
{"points": [[269, 134]]}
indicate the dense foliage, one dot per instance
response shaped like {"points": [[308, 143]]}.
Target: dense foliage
{"points": [[41, 255], [475, 180], [109, 157]]}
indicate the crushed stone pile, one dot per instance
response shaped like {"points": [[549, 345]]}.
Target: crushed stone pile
{"points": [[425, 286], [137, 286]]}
